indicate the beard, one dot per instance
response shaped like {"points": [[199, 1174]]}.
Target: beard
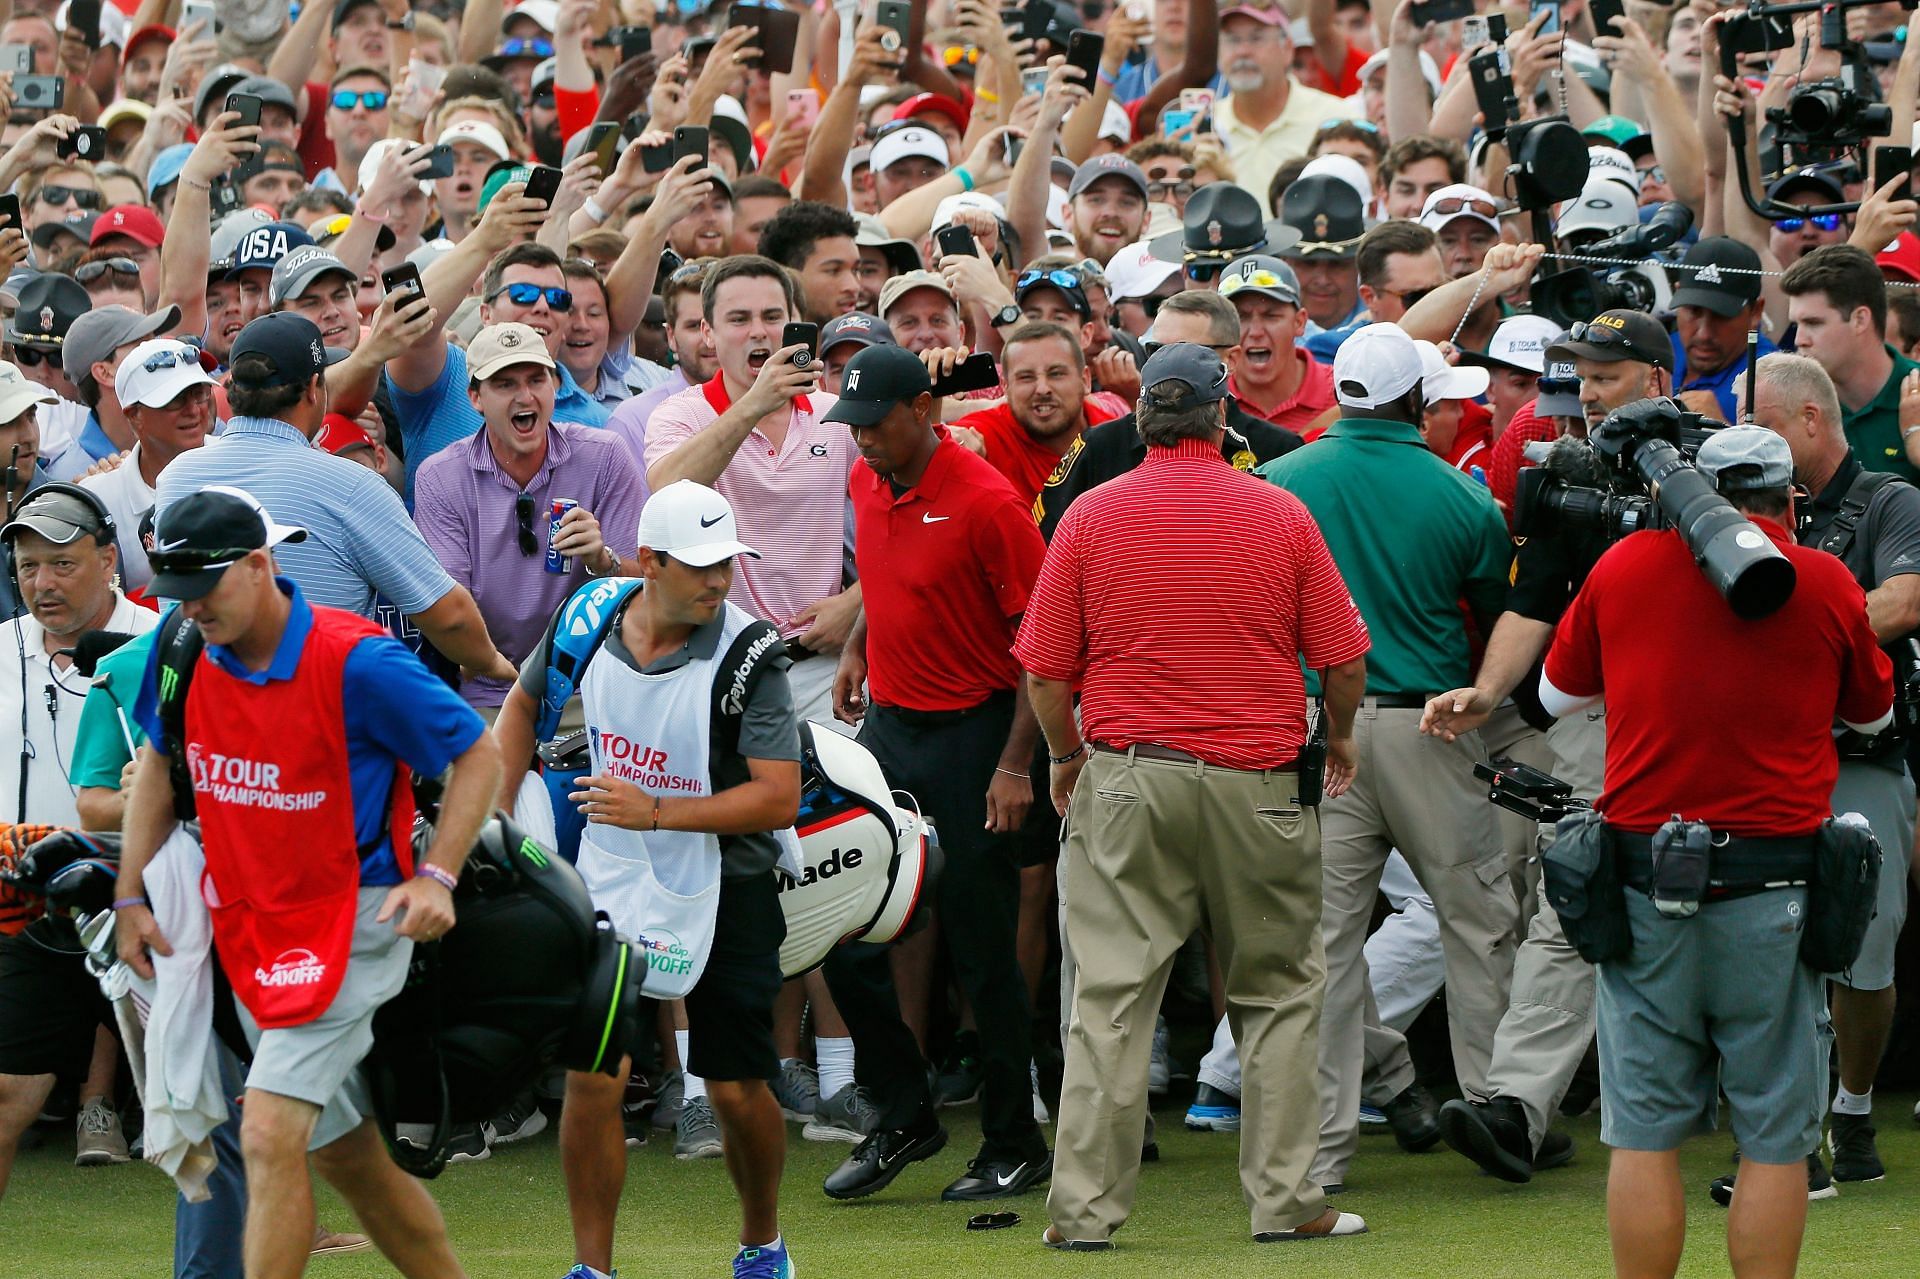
{"points": [[547, 145]]}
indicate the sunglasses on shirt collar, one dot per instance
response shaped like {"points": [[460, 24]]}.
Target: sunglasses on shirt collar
{"points": [[523, 524]]}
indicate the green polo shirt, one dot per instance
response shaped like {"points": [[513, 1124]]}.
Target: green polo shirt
{"points": [[1412, 537], [100, 744], [1874, 428]]}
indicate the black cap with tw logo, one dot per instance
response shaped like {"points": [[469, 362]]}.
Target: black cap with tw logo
{"points": [[874, 381]]}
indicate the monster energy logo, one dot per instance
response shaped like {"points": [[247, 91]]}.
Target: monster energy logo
{"points": [[533, 852], [169, 681]]}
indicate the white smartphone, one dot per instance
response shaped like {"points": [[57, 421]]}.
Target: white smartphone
{"points": [[193, 11]]}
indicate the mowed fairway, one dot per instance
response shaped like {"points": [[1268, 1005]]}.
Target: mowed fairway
{"points": [[1431, 1215]]}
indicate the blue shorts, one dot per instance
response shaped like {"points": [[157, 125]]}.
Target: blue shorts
{"points": [[1719, 1002]]}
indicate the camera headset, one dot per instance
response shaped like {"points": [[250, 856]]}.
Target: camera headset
{"points": [[107, 534]]}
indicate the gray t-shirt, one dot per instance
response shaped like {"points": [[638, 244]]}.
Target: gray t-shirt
{"points": [[769, 727], [1886, 541]]}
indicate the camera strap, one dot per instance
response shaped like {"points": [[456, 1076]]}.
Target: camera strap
{"points": [[1839, 537]]}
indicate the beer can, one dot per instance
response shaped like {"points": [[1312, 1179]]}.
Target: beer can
{"points": [[556, 562]]}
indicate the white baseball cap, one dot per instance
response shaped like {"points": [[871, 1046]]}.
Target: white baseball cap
{"points": [[18, 394], [1347, 169], [1376, 365], [1602, 205], [976, 200], [157, 371], [1442, 381], [544, 12], [370, 163], [1115, 124], [1429, 70], [692, 523], [1460, 201], [1610, 162], [1520, 342], [478, 132], [910, 141], [1134, 272]]}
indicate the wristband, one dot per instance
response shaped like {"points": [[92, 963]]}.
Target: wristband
{"points": [[123, 903], [361, 211], [1070, 756], [1012, 773], [655, 825], [441, 877], [1106, 78], [966, 179], [198, 186], [593, 210], [987, 95]]}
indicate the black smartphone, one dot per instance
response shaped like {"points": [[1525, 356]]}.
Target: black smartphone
{"points": [[657, 158], [85, 15], [248, 105], [1441, 11], [88, 142], [439, 162], [807, 336], [1497, 27], [689, 139], [544, 184], [603, 139], [1605, 14], [750, 15], [1083, 51], [977, 372], [39, 93], [404, 278], [1745, 34], [696, 50], [1492, 86], [957, 241], [896, 14], [10, 212], [1890, 163], [631, 41]]}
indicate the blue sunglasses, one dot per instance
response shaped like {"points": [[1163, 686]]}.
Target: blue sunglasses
{"points": [[1821, 221], [529, 294], [347, 99]]}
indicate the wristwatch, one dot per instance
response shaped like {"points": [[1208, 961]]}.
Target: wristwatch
{"points": [[405, 23], [1008, 314]]}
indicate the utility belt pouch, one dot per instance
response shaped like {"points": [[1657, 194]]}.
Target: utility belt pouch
{"points": [[568, 753], [1582, 878], [1682, 866], [1840, 894]]}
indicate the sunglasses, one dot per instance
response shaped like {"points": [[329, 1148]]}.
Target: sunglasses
{"points": [[198, 561], [1409, 298], [1466, 204], [530, 294], [347, 99], [1601, 335], [1179, 190], [28, 357], [519, 47], [523, 524], [1821, 221], [188, 358], [88, 272], [1202, 272], [1058, 278], [954, 54], [81, 196], [1256, 278], [1366, 125], [1150, 346]]}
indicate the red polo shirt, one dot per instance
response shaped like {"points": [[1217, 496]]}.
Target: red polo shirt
{"points": [[945, 567], [1509, 457], [1025, 461], [1767, 765], [1175, 652], [1311, 398], [1471, 447]]}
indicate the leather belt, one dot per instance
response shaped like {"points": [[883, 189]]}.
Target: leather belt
{"points": [[1399, 701], [1168, 755]]}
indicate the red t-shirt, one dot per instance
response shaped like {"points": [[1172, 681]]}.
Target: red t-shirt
{"points": [[1025, 461], [945, 568], [1713, 717], [1470, 442], [1349, 82], [1313, 397], [314, 146], [1503, 474]]}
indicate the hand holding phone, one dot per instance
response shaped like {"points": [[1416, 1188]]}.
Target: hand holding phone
{"points": [[897, 16], [1084, 49], [544, 184], [977, 372], [690, 139], [1606, 14], [439, 162], [404, 278], [807, 338], [957, 241], [1890, 163], [603, 139], [803, 108]]}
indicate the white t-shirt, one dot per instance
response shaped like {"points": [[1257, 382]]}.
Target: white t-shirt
{"points": [[128, 497]]}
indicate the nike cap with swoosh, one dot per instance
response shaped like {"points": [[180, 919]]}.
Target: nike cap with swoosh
{"points": [[692, 523], [874, 381]]}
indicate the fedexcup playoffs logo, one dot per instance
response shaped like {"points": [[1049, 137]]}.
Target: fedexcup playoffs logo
{"points": [[665, 953], [296, 967]]}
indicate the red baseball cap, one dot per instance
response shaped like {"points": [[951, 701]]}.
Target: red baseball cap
{"points": [[154, 31], [1901, 259], [339, 433], [937, 102], [135, 221]]}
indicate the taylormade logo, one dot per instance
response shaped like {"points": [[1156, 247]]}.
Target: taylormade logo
{"points": [[735, 702]]}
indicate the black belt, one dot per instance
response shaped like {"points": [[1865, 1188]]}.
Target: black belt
{"points": [[1399, 701], [1737, 860], [934, 719], [1168, 755], [798, 652]]}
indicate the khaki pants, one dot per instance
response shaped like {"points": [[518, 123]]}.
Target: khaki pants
{"points": [[1506, 733], [1155, 850], [1418, 794]]}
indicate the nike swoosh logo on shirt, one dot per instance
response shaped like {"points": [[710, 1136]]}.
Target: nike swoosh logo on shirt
{"points": [[934, 519], [706, 523]]}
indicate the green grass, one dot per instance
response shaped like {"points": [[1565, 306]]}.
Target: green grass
{"points": [[1431, 1215]]}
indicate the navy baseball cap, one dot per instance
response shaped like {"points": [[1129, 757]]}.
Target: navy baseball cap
{"points": [[855, 326], [1188, 362], [290, 345], [262, 247], [874, 381]]}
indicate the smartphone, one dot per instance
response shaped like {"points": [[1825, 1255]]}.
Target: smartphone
{"points": [[404, 278], [85, 15], [1440, 11], [803, 108], [1605, 14], [779, 33], [1497, 27], [657, 158], [1492, 87], [603, 139], [1198, 101], [898, 15], [17, 58], [1551, 8], [975, 373], [88, 142], [1083, 51], [807, 336], [39, 92], [1033, 80], [750, 15], [248, 105], [631, 41], [957, 241], [689, 139], [10, 212], [201, 11], [1174, 122], [439, 162], [544, 184], [1015, 144], [696, 50], [1890, 163], [1745, 34]]}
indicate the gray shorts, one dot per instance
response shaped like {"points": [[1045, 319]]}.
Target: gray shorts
{"points": [[1884, 796], [319, 1061], [1719, 997]]}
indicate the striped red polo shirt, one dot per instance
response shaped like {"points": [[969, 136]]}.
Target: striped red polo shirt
{"points": [[1183, 596]]}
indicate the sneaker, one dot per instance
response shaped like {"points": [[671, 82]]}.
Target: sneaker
{"points": [[797, 1089], [1493, 1135], [1819, 1184], [763, 1263], [519, 1121], [1213, 1111], [667, 1103], [634, 1120], [1415, 1119], [468, 1144], [1000, 1178], [1160, 1065], [332, 1243], [846, 1116], [581, 1270], [696, 1135], [98, 1140], [1040, 1114], [1372, 1118], [876, 1161], [958, 1082], [1850, 1142]]}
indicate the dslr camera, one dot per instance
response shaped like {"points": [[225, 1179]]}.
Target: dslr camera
{"points": [[1639, 283]]}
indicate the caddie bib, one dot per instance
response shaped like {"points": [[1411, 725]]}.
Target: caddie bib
{"points": [[268, 764]]}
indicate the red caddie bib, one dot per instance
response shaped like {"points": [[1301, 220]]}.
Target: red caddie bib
{"points": [[272, 787]]}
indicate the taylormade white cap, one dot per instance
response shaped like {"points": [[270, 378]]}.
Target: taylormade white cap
{"points": [[1376, 365], [1442, 381], [692, 523]]}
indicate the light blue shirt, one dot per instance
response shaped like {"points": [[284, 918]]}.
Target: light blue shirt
{"points": [[360, 541]]}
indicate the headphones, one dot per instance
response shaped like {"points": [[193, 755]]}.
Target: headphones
{"points": [[109, 532]]}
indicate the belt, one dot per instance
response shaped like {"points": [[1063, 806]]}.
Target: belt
{"points": [[798, 652], [1168, 755], [933, 719], [1399, 701], [1736, 859]]}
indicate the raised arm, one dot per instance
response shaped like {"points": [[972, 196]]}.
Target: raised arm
{"points": [[299, 49], [1033, 171], [822, 172], [186, 254], [1082, 127], [630, 282]]}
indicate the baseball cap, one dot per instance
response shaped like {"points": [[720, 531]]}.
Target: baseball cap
{"points": [[938, 103], [1115, 123], [370, 163], [225, 243], [18, 393], [59, 517], [1429, 69], [501, 346], [900, 285], [1614, 129], [1559, 386], [1718, 273], [1376, 365], [478, 132], [1611, 162], [155, 31], [201, 536], [1345, 168], [943, 212], [1901, 259], [544, 74], [293, 273], [216, 85], [1442, 381], [1134, 272], [693, 524], [157, 371], [49, 304], [135, 221], [901, 252], [502, 173], [1261, 274], [1619, 334], [1112, 165], [1762, 456], [1270, 13], [290, 346], [544, 12], [342, 8], [1602, 205], [262, 247], [874, 381], [1202, 370], [78, 225], [898, 144], [340, 434], [729, 125], [1459, 200], [97, 334], [1519, 342], [1821, 184], [165, 169], [270, 91], [124, 109], [855, 326]]}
